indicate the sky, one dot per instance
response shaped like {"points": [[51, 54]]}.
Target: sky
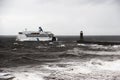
{"points": [[62, 17]]}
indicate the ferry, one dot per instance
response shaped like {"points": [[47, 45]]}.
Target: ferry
{"points": [[39, 35]]}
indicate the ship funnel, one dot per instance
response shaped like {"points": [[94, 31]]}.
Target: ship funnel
{"points": [[40, 29]]}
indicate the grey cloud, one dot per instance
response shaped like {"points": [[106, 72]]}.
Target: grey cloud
{"points": [[98, 2], [61, 14], [117, 2], [94, 1], [4, 5], [78, 1], [1, 3]]}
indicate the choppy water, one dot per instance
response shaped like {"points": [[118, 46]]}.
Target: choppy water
{"points": [[75, 37], [88, 62], [90, 38]]}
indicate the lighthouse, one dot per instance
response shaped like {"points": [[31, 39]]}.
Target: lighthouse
{"points": [[81, 36]]}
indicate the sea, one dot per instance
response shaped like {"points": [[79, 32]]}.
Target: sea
{"points": [[67, 60], [114, 38]]}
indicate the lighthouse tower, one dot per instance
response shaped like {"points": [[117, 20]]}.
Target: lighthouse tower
{"points": [[81, 36]]}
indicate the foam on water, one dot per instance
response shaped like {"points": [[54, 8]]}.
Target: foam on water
{"points": [[27, 76], [104, 65], [95, 49], [71, 68], [74, 68], [94, 65]]}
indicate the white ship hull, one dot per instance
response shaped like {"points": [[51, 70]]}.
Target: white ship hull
{"points": [[35, 39]]}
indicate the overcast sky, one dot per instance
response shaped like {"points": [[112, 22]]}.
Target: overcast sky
{"points": [[62, 17]]}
